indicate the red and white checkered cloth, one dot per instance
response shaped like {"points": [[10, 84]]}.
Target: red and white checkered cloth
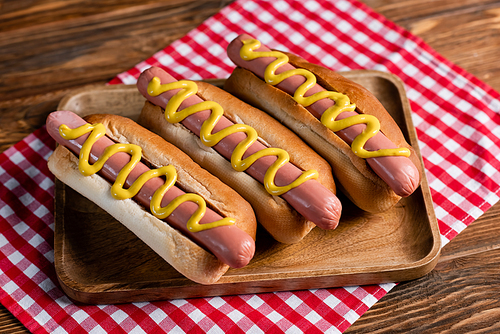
{"points": [[458, 124]]}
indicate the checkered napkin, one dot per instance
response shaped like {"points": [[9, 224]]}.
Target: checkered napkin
{"points": [[457, 121]]}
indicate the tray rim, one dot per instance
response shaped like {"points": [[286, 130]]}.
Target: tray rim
{"points": [[423, 265]]}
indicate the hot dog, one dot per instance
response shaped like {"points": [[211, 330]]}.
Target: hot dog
{"points": [[202, 256], [289, 217], [315, 111]]}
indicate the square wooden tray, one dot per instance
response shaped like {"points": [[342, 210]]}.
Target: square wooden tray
{"points": [[99, 261]]}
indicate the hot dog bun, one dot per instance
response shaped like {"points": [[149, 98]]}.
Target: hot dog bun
{"points": [[355, 178], [184, 255], [284, 223]]}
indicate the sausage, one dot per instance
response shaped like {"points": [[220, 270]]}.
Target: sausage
{"points": [[229, 244], [399, 172], [311, 199]]}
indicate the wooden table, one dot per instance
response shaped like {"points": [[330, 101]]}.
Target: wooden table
{"points": [[49, 48]]}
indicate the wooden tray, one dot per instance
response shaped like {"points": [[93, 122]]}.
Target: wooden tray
{"points": [[98, 260]]}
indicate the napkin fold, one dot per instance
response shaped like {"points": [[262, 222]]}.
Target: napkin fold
{"points": [[455, 114]]}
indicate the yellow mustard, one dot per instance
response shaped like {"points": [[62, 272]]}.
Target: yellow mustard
{"points": [[342, 101], [118, 192], [172, 115]]}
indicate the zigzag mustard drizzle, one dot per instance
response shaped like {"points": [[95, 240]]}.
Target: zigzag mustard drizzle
{"points": [[342, 101], [118, 192], [172, 115]]}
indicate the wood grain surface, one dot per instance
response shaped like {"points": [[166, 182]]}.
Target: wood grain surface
{"points": [[49, 48]]}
